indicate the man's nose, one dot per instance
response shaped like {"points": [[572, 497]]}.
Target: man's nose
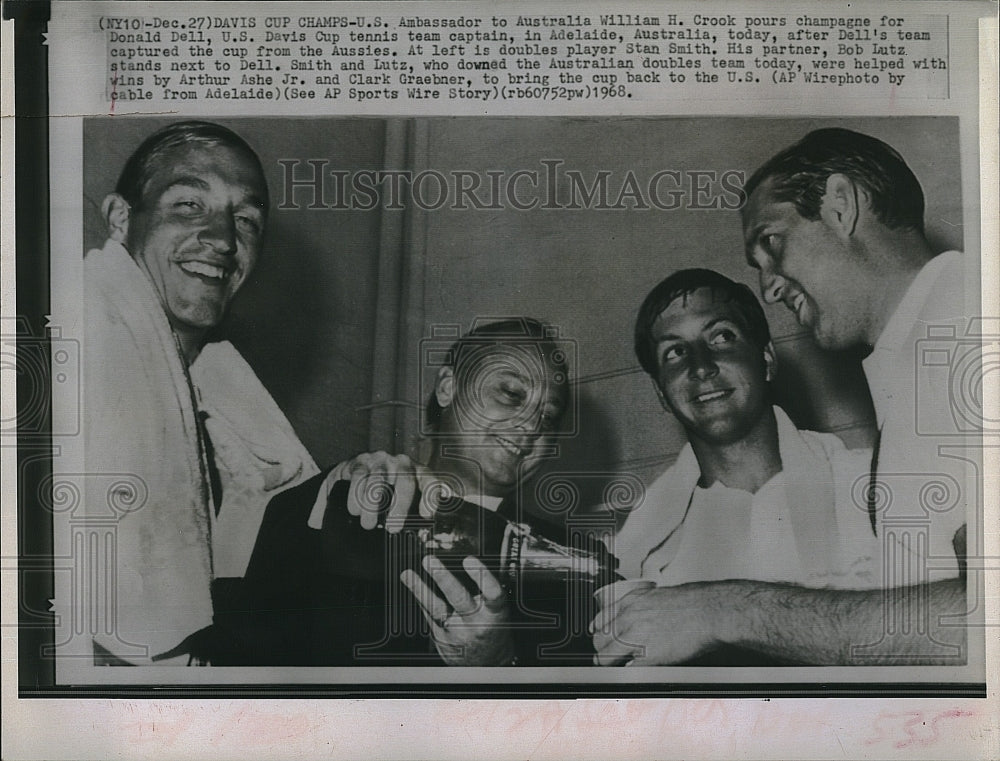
{"points": [[772, 286], [220, 233], [531, 425], [703, 363]]}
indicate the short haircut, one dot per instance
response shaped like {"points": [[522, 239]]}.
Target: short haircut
{"points": [[799, 173], [513, 331], [143, 162], [682, 284]]}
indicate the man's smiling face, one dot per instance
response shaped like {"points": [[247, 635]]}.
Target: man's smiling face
{"points": [[804, 264], [501, 405], [198, 230], [711, 374]]}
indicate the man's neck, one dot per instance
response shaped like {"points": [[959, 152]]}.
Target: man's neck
{"points": [[466, 473], [746, 464], [191, 343], [898, 260]]}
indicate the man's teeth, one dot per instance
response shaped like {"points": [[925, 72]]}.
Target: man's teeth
{"points": [[710, 396], [799, 300], [207, 270], [510, 446]]}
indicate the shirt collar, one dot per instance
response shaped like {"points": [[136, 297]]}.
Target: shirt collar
{"points": [[880, 365], [907, 311], [482, 500], [686, 470], [487, 503], [115, 247]]}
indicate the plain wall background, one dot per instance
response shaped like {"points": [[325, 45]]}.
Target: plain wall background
{"points": [[306, 320]]}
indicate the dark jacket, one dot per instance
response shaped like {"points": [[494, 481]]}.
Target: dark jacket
{"points": [[333, 597]]}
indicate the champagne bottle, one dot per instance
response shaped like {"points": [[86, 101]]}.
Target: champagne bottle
{"points": [[524, 553], [514, 552]]}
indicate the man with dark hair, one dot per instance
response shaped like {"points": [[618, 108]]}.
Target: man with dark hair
{"points": [[185, 420], [162, 145], [749, 496], [338, 594], [682, 284], [196, 257], [798, 175], [805, 251], [834, 226]]}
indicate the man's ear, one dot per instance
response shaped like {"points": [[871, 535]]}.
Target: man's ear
{"points": [[840, 207], [444, 389], [770, 362], [659, 395], [116, 212]]}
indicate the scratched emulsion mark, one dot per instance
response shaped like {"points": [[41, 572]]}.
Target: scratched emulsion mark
{"points": [[262, 727], [531, 723], [166, 727], [911, 728], [161, 726]]}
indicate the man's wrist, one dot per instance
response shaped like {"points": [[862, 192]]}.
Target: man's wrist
{"points": [[504, 653], [729, 612], [510, 655], [754, 615]]}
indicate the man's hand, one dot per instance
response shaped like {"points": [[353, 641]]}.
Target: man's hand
{"points": [[375, 476], [659, 626], [832, 627], [468, 630]]}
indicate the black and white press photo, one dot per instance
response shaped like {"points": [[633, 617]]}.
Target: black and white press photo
{"points": [[502, 380], [560, 393]]}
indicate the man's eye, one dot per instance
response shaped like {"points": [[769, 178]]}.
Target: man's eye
{"points": [[771, 243], [248, 223], [723, 336], [188, 208], [511, 395], [673, 353]]}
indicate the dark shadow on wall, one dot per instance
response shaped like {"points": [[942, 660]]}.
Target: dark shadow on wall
{"points": [[310, 342], [574, 484], [824, 391], [279, 318], [94, 229], [943, 240]]}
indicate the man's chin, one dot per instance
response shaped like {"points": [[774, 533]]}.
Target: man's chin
{"points": [[200, 316], [828, 340], [724, 432], [501, 484]]}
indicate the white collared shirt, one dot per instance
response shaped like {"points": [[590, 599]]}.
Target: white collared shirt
{"points": [[895, 344], [919, 374], [803, 526]]}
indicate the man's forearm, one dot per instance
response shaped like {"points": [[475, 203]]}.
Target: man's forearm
{"points": [[845, 627]]}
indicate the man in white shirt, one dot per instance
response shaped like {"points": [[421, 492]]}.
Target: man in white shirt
{"points": [[184, 417], [749, 496], [834, 224]]}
